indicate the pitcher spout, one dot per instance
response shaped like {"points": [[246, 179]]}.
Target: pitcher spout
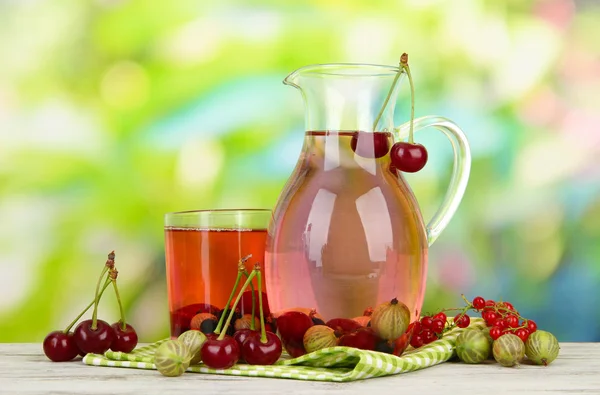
{"points": [[345, 96]]}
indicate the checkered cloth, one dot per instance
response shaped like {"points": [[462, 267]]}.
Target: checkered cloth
{"points": [[329, 364]]}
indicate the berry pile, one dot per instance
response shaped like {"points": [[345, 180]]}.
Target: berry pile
{"points": [[501, 317], [222, 342], [93, 335]]}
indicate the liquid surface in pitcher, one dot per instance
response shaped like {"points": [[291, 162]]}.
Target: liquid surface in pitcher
{"points": [[347, 232]]}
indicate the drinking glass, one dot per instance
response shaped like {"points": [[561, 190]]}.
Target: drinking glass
{"points": [[203, 249]]}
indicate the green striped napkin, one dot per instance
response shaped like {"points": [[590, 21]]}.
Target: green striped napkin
{"points": [[329, 364]]}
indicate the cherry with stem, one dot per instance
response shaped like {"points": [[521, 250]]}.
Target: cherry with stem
{"points": [[126, 337], [60, 346], [223, 352], [96, 336], [266, 348], [406, 156], [241, 269]]}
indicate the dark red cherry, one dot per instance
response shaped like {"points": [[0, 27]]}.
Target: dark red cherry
{"points": [[343, 325], [293, 325], [241, 336], [125, 340], [246, 303], [370, 145], [220, 354], [258, 353], [407, 157], [363, 338], [96, 341], [294, 348], [60, 346]]}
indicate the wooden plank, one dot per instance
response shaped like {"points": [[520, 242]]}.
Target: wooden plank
{"points": [[25, 370]]}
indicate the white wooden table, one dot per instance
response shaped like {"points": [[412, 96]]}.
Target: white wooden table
{"points": [[24, 369]]}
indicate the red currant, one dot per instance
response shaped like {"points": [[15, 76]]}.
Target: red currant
{"points": [[522, 333], [441, 316], [416, 341], [531, 326], [490, 304], [462, 322], [491, 318], [428, 336], [426, 322], [408, 157], [508, 305], [478, 303], [495, 332], [438, 325], [511, 321]]}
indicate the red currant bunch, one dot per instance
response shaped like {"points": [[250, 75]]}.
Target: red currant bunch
{"points": [[503, 318]]}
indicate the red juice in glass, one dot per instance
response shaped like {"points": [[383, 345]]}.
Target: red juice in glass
{"points": [[203, 250]]}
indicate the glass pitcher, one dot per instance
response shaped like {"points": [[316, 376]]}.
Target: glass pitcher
{"points": [[347, 232]]}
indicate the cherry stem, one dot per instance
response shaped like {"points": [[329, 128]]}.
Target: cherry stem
{"points": [[123, 322], [263, 332], [106, 284], [241, 269], [389, 95], [404, 66], [237, 300], [252, 326], [97, 299]]}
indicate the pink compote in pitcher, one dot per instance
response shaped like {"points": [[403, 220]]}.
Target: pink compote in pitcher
{"points": [[347, 232]]}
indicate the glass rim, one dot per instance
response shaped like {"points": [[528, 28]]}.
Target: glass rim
{"points": [[220, 211]]}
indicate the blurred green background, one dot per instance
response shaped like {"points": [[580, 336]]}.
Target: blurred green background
{"points": [[113, 113]]}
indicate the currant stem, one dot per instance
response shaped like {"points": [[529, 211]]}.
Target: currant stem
{"points": [[404, 66], [237, 300], [241, 269], [106, 284], [252, 326], [263, 332], [97, 299], [123, 322]]}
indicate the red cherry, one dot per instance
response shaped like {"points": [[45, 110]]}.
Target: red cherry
{"points": [[370, 145], [125, 340], [246, 303], [258, 353], [364, 339], [408, 157], [343, 325], [293, 325], [96, 341], [60, 346], [240, 337], [220, 354]]}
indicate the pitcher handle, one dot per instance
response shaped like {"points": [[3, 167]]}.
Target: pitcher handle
{"points": [[460, 172]]}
